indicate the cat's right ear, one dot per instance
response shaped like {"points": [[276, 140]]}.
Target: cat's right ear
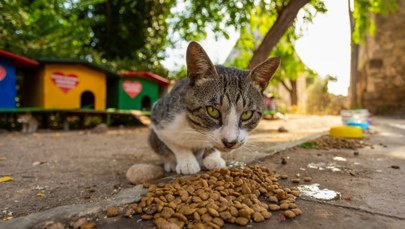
{"points": [[199, 65]]}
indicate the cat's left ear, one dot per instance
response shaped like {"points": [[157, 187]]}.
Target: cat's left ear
{"points": [[262, 73], [199, 65]]}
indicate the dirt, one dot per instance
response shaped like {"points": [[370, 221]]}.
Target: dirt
{"points": [[51, 169]]}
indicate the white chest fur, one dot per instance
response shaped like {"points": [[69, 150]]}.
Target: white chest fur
{"points": [[180, 133]]}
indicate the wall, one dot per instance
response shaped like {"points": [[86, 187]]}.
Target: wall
{"points": [[381, 83]]}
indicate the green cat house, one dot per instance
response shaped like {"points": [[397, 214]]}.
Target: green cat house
{"points": [[135, 90]]}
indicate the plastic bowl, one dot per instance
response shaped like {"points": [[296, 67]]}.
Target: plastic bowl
{"points": [[346, 132]]}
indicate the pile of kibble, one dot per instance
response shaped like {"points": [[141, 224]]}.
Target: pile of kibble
{"points": [[208, 200], [328, 142]]}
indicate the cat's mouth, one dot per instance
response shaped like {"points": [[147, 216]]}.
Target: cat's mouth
{"points": [[228, 149]]}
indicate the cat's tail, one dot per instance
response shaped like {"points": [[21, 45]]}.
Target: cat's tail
{"points": [[141, 173]]}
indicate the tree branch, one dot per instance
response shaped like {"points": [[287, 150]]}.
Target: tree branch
{"points": [[283, 22]]}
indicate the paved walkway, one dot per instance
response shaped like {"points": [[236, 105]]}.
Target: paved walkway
{"points": [[372, 190]]}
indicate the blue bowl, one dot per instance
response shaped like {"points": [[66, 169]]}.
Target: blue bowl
{"points": [[362, 125]]}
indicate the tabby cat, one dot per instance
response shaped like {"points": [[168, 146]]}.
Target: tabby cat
{"points": [[208, 112]]}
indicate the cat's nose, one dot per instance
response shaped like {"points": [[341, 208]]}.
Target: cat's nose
{"points": [[229, 144]]}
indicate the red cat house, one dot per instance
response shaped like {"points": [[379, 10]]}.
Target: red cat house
{"points": [[9, 64]]}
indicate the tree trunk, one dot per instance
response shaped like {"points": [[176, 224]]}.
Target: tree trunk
{"points": [[292, 91], [354, 60], [284, 20]]}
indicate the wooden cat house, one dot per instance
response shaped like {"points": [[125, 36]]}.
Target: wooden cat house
{"points": [[67, 84], [135, 90], [9, 64]]}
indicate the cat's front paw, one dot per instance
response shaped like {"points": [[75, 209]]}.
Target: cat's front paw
{"points": [[169, 166], [213, 162], [188, 166]]}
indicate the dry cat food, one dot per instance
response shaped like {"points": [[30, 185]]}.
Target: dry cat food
{"points": [[208, 200], [328, 142]]}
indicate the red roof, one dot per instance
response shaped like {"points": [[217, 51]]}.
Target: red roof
{"points": [[147, 75], [19, 61]]}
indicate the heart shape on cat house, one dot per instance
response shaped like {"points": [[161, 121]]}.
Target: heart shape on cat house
{"points": [[137, 90], [68, 84]]}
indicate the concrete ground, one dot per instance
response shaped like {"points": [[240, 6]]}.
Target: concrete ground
{"points": [[81, 174]]}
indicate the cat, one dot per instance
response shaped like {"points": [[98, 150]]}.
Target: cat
{"points": [[208, 112], [29, 123]]}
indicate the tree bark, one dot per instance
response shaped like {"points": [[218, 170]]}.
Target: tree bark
{"points": [[354, 60], [284, 20], [292, 91]]}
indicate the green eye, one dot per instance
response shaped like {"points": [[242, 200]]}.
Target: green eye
{"points": [[246, 115], [213, 112]]}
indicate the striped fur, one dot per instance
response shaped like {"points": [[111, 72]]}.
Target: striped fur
{"points": [[183, 133]]}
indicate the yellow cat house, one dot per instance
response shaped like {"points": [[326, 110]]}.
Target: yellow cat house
{"points": [[67, 84]]}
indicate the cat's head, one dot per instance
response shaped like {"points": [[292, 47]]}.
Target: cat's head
{"points": [[225, 103], [24, 118]]}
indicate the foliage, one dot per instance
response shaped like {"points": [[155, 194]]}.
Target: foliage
{"points": [[120, 34], [129, 31], [251, 36], [39, 28], [364, 22]]}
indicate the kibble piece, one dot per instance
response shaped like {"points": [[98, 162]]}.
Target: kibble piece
{"points": [[297, 211], [186, 210], [146, 217], [226, 215], [113, 212], [273, 199], [199, 226], [257, 217], [284, 206], [293, 205], [159, 222], [213, 212], [281, 195], [213, 225], [167, 212], [284, 176], [197, 217], [307, 179], [242, 221], [218, 221], [177, 222], [180, 216], [233, 211], [295, 193], [206, 218], [170, 225], [266, 214], [289, 214], [274, 207], [296, 180], [244, 212], [88, 225]]}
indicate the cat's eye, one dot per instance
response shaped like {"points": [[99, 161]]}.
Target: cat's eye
{"points": [[213, 112], [246, 115]]}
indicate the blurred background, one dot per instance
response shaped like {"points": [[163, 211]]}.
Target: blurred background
{"points": [[335, 54]]}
